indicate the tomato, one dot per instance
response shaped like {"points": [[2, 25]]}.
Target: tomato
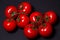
{"points": [[22, 20], [30, 31], [50, 17], [36, 17], [11, 12], [9, 25], [24, 8], [45, 29]]}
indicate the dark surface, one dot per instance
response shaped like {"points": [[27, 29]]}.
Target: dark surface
{"points": [[39, 5]]}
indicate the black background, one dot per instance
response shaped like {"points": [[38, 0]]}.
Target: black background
{"points": [[39, 5]]}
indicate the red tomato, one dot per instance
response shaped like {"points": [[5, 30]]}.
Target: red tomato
{"points": [[50, 17], [36, 17], [24, 8], [30, 31], [45, 30], [11, 12], [22, 20], [9, 25]]}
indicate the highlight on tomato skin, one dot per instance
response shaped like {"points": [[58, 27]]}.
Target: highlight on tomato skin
{"points": [[9, 25], [45, 30], [36, 17], [11, 11], [22, 20], [24, 8], [30, 31], [50, 16]]}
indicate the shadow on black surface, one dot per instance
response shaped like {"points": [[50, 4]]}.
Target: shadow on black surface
{"points": [[14, 30], [21, 28], [35, 38], [57, 22], [33, 9]]}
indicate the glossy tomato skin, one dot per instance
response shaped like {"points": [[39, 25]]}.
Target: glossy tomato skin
{"points": [[51, 17], [45, 30], [30, 32], [9, 25], [24, 7], [34, 19], [22, 20], [11, 12]]}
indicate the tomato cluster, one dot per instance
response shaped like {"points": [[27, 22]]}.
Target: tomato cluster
{"points": [[33, 23]]}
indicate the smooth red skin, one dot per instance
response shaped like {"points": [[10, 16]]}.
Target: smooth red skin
{"points": [[21, 23], [45, 31], [29, 32], [52, 15], [33, 19], [9, 10], [9, 26], [26, 8]]}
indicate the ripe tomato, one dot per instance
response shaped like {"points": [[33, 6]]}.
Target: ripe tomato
{"points": [[11, 12], [50, 17], [30, 31], [22, 20], [9, 25], [45, 30], [36, 17], [24, 8]]}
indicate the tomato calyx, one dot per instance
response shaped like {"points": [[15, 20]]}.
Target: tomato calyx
{"points": [[32, 22], [47, 18], [18, 19], [23, 12], [37, 18], [9, 20], [13, 13], [34, 27], [44, 24]]}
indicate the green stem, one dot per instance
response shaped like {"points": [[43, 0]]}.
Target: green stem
{"points": [[37, 18], [18, 19]]}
